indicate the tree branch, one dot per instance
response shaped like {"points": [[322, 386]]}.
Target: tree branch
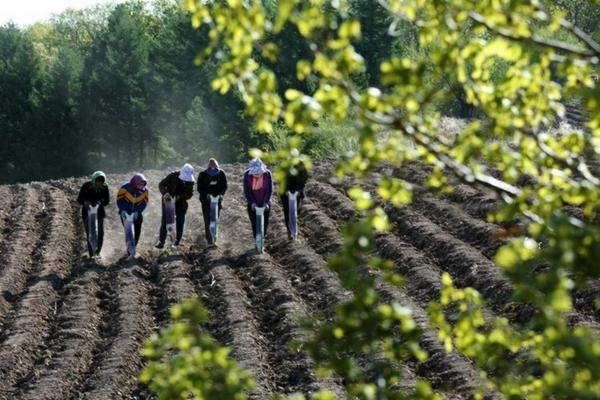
{"points": [[580, 168], [550, 43], [581, 35]]}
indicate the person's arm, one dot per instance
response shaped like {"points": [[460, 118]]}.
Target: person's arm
{"points": [[162, 186], [143, 202], [81, 198], [247, 191], [224, 189], [188, 191], [269, 187], [202, 185], [122, 202], [303, 175], [105, 196]]}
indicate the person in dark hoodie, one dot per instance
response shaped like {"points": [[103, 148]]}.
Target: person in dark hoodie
{"points": [[258, 189], [295, 181], [132, 198], [94, 193], [211, 181], [178, 185]]}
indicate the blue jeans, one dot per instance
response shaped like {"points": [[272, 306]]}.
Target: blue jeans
{"points": [[179, 223]]}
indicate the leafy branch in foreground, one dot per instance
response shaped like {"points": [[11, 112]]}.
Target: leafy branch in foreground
{"points": [[545, 180], [185, 362]]}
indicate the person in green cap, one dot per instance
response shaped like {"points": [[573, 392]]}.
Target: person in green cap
{"points": [[94, 196]]}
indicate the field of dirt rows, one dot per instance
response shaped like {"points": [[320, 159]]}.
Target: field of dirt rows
{"points": [[72, 328]]}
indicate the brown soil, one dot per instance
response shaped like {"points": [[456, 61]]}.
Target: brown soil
{"points": [[72, 328]]}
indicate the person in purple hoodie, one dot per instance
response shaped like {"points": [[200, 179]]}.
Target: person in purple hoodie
{"points": [[258, 189], [132, 198]]}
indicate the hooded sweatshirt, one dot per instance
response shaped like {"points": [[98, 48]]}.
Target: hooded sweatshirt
{"points": [[130, 199], [212, 181], [93, 194], [173, 185], [261, 194]]}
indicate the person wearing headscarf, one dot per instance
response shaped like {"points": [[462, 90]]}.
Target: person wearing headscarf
{"points": [[295, 181], [178, 185], [211, 181], [132, 198], [258, 189], [94, 193]]}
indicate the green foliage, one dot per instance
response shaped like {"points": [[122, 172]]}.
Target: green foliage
{"points": [[514, 63], [368, 340], [187, 363], [553, 361], [327, 138]]}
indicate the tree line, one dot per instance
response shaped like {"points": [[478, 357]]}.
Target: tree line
{"points": [[112, 87], [117, 87]]}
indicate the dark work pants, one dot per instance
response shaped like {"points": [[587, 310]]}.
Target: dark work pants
{"points": [[100, 233], [137, 224], [286, 209], [179, 223], [252, 216], [206, 217]]}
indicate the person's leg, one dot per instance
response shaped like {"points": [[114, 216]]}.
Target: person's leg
{"points": [[180, 223], [266, 219], [100, 233], [252, 216], [206, 218], [286, 211], [138, 228], [87, 233], [162, 233]]}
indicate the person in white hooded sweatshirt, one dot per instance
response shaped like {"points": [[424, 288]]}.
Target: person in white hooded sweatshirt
{"points": [[180, 186]]}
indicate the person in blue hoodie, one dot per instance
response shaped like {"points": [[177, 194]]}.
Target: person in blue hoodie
{"points": [[132, 198]]}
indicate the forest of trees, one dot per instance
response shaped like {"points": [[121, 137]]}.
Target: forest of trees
{"points": [[110, 87], [116, 87]]}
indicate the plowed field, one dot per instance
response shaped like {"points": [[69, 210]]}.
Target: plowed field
{"points": [[72, 328]]}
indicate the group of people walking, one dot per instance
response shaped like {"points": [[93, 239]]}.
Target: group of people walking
{"points": [[133, 197]]}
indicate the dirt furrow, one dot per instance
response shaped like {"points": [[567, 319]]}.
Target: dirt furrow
{"points": [[73, 346], [280, 309], [471, 230], [425, 276], [309, 274], [118, 366], [24, 228], [450, 217], [74, 335], [232, 323], [7, 205], [306, 268], [276, 307], [446, 371], [467, 265], [28, 329], [174, 282], [478, 203], [449, 372], [584, 299]]}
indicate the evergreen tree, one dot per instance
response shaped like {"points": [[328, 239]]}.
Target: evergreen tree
{"points": [[19, 72]]}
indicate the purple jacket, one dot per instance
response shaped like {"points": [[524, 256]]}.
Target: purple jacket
{"points": [[261, 197]]}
